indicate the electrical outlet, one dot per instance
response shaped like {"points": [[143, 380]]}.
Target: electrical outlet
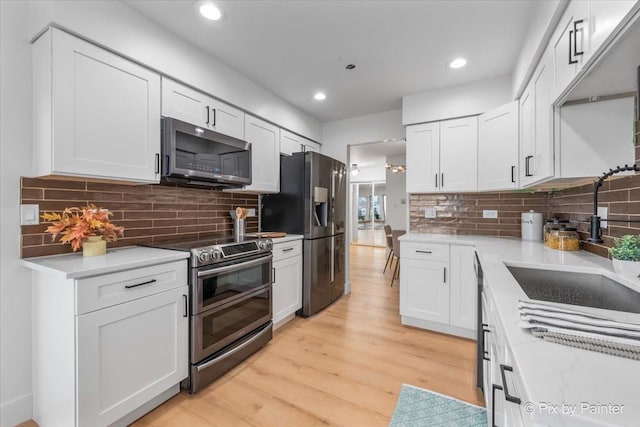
{"points": [[602, 213], [430, 213], [486, 213], [251, 212], [29, 214]]}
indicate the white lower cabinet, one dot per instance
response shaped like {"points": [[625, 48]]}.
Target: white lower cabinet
{"points": [[438, 287], [287, 281], [424, 293], [128, 354], [107, 361]]}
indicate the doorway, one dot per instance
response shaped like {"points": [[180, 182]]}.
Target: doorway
{"points": [[370, 213]]}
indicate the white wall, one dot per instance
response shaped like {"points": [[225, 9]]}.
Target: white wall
{"points": [[15, 160], [370, 174], [115, 26], [542, 23], [338, 134], [397, 194], [456, 101]]}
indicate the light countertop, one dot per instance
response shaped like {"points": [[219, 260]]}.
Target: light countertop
{"points": [[555, 374], [287, 238], [75, 266]]}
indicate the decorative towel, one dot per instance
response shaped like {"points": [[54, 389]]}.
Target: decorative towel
{"points": [[581, 330]]}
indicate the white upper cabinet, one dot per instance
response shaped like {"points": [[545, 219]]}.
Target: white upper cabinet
{"points": [[290, 143], [498, 148], [191, 106], [423, 157], [442, 156], [459, 154], [604, 15], [569, 44], [96, 114], [536, 130], [265, 155], [310, 145]]}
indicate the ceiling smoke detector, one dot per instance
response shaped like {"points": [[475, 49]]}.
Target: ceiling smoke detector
{"points": [[350, 66]]}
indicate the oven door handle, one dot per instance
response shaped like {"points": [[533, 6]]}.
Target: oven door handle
{"points": [[234, 351], [234, 267]]}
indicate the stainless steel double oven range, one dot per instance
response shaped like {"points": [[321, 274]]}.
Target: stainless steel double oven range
{"points": [[230, 304]]}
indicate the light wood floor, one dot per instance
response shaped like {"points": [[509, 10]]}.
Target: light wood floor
{"points": [[371, 238], [344, 366]]}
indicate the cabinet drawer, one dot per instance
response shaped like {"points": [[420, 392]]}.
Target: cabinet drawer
{"points": [[287, 249], [102, 291], [425, 251]]}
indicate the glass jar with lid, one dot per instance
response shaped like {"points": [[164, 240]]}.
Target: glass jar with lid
{"points": [[564, 239], [549, 226]]}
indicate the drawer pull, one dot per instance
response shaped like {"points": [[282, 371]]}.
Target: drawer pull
{"points": [[186, 305], [140, 284], [287, 250], [508, 396], [423, 252]]}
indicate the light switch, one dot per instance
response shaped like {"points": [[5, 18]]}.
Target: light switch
{"points": [[29, 214]]}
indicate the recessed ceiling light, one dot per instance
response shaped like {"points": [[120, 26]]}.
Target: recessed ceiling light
{"points": [[320, 96], [210, 11], [458, 63]]}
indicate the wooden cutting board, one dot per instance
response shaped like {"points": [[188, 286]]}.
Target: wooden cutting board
{"points": [[271, 234]]}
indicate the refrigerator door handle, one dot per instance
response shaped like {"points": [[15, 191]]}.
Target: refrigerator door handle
{"points": [[332, 274]]}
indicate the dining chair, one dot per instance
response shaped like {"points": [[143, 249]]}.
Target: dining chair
{"points": [[388, 232]]}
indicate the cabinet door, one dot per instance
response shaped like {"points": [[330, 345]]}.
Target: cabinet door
{"points": [[227, 119], [265, 155], [423, 158], [130, 353], [290, 143], [310, 145], [106, 113], [498, 148], [542, 165], [527, 135], [183, 103], [424, 290], [569, 45], [464, 287], [287, 287], [459, 154], [604, 16]]}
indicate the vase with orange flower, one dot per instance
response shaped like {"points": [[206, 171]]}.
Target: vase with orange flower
{"points": [[87, 227]]}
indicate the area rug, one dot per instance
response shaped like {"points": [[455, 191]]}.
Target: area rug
{"points": [[418, 407]]}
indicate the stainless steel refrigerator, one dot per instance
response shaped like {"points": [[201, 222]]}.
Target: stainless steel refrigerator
{"points": [[312, 202]]}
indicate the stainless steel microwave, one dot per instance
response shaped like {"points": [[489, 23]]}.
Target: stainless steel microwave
{"points": [[195, 155]]}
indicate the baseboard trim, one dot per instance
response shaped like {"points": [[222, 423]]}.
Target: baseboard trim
{"points": [[16, 411], [439, 327]]}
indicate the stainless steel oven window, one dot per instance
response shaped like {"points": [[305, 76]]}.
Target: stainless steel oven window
{"points": [[217, 328], [215, 286]]}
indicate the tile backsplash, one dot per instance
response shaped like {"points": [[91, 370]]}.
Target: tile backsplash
{"points": [[149, 213], [462, 213]]}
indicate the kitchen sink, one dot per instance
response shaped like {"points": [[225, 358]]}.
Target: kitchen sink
{"points": [[584, 289]]}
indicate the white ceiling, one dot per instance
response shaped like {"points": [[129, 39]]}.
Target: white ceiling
{"points": [[375, 154], [295, 48]]}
